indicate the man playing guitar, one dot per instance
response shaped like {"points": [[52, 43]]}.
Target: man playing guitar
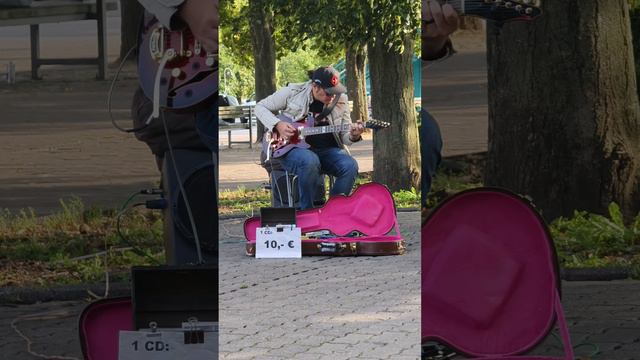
{"points": [[324, 98]]}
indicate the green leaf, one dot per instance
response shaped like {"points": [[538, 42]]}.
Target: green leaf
{"points": [[616, 214]]}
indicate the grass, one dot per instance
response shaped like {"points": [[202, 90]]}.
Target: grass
{"points": [[591, 240], [68, 247], [43, 250]]}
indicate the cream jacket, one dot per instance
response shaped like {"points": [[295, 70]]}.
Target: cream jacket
{"points": [[163, 10], [293, 101]]}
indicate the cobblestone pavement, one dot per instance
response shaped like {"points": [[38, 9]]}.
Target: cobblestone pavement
{"points": [[320, 307], [335, 308]]}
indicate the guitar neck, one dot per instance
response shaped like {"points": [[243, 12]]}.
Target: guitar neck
{"points": [[317, 130], [496, 10]]}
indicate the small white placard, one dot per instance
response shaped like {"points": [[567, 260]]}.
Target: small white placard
{"points": [[165, 345], [282, 241]]}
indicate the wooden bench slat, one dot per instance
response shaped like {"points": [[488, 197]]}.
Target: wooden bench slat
{"points": [[55, 11], [67, 11]]}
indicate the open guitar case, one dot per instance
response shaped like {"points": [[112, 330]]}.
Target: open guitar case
{"points": [[363, 223], [490, 279]]}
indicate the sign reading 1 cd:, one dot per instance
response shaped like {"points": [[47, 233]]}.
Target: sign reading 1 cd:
{"points": [[282, 241], [139, 345]]}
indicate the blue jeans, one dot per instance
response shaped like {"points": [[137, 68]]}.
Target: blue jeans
{"points": [[309, 164], [430, 151]]}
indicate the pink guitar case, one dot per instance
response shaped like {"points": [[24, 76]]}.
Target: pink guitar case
{"points": [[99, 325], [490, 285], [369, 210]]}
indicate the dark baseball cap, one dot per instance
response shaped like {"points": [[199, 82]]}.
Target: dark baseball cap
{"points": [[329, 79]]}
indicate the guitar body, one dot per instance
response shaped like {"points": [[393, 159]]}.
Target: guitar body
{"points": [[189, 78], [278, 146]]}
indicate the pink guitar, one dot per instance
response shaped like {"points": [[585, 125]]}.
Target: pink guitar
{"points": [[275, 146], [175, 71]]}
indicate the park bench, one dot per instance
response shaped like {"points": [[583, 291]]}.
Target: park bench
{"points": [[56, 11], [233, 112]]}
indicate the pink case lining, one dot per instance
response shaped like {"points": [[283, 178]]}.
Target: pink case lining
{"points": [[370, 209], [489, 277], [100, 323]]}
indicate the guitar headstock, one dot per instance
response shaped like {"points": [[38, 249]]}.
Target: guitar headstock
{"points": [[376, 124], [498, 10]]}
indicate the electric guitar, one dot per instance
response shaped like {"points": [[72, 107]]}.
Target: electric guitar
{"points": [[174, 69], [275, 146], [497, 10]]}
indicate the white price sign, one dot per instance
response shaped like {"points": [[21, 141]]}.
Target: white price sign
{"points": [[282, 241], [140, 345]]}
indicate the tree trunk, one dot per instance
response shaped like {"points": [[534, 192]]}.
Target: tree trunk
{"points": [[635, 33], [264, 52], [396, 155], [564, 121], [131, 13], [356, 81]]}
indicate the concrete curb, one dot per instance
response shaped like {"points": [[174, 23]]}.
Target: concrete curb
{"points": [[595, 274]]}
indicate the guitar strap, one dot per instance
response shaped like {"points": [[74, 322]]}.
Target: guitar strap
{"points": [[329, 108], [328, 111]]}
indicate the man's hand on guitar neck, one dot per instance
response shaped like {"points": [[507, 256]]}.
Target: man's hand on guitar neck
{"points": [[202, 18], [356, 130], [440, 21]]}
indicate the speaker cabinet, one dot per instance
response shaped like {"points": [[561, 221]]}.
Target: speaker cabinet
{"points": [[170, 295], [197, 173]]}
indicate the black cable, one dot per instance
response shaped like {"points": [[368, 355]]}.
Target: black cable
{"points": [[113, 83], [126, 240]]}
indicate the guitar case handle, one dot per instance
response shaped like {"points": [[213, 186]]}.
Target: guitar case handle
{"points": [[334, 248]]}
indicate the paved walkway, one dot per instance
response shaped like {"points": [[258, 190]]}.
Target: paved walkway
{"points": [[336, 308], [319, 307]]}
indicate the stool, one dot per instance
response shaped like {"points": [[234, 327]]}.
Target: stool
{"points": [[284, 188]]}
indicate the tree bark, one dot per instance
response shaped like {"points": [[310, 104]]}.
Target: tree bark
{"points": [[564, 120], [356, 81], [264, 52], [131, 14], [396, 155], [635, 33]]}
